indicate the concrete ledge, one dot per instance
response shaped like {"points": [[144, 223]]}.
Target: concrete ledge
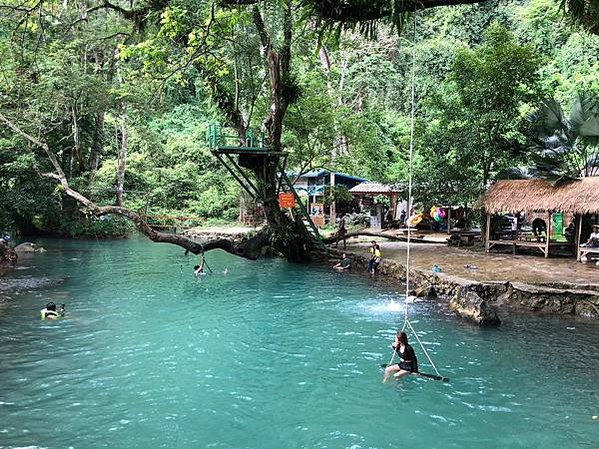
{"points": [[478, 301]]}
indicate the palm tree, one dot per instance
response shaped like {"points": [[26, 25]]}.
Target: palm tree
{"points": [[566, 147]]}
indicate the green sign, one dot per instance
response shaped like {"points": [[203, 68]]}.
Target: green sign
{"points": [[557, 224]]}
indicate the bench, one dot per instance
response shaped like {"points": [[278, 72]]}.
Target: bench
{"points": [[585, 251]]}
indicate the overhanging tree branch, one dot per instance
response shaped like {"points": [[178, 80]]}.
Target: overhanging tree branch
{"points": [[354, 11], [250, 248]]}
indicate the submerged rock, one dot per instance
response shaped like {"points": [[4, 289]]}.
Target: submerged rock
{"points": [[9, 287]]}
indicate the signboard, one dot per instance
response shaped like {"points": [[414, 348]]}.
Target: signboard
{"points": [[317, 214], [376, 217], [557, 227], [318, 220], [286, 199], [317, 209]]}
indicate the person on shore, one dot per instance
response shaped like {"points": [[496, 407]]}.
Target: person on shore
{"points": [[50, 313], [341, 233], [344, 264], [593, 240], [402, 218], [408, 363], [375, 258], [539, 228]]}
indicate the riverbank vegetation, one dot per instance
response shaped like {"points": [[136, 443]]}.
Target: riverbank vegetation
{"points": [[123, 93]]}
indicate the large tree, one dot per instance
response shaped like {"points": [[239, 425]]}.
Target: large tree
{"points": [[240, 50], [493, 82]]}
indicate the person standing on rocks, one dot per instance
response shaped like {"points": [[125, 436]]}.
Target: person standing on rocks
{"points": [[375, 258]]}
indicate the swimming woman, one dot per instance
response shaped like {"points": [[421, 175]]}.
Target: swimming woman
{"points": [[408, 363]]}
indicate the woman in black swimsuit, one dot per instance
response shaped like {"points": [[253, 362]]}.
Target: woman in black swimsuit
{"points": [[408, 362]]}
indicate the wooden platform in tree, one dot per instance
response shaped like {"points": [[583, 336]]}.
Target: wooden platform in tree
{"points": [[262, 151]]}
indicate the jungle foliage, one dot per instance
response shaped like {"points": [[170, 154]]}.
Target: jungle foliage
{"points": [[124, 95]]}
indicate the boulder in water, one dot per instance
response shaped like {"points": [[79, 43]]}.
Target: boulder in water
{"points": [[469, 304], [425, 291], [29, 247]]}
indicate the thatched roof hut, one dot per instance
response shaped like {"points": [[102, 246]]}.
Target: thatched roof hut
{"points": [[579, 196]]}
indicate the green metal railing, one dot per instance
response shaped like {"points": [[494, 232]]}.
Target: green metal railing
{"points": [[217, 138]]}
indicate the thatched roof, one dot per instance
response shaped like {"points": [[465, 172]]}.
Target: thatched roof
{"points": [[579, 196], [374, 188]]}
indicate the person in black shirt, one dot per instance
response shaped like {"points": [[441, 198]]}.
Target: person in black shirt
{"points": [[408, 362], [341, 233], [344, 264]]}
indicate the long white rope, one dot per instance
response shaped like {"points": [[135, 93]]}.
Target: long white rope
{"points": [[410, 181], [410, 167]]}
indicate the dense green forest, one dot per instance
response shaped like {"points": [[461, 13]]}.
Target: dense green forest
{"points": [[124, 95]]}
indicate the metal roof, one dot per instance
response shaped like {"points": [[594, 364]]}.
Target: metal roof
{"points": [[320, 172], [375, 188]]}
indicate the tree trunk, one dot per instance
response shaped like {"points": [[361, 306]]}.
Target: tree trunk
{"points": [[120, 180], [77, 142], [97, 146]]}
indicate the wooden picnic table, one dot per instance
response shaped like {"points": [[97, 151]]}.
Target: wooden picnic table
{"points": [[466, 237]]}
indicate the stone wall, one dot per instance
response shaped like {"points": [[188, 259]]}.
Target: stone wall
{"points": [[479, 301]]}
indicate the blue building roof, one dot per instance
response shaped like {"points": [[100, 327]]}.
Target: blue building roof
{"points": [[321, 172]]}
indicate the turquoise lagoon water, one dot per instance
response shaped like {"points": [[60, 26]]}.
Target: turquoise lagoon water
{"points": [[272, 355]]}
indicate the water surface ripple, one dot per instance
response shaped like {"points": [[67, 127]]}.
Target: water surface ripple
{"points": [[271, 355]]}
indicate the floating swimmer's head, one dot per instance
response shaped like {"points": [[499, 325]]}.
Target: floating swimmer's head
{"points": [[51, 306]]}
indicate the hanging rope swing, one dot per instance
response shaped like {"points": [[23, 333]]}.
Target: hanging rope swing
{"points": [[407, 324]]}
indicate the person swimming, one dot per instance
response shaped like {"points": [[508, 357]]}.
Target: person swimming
{"points": [[50, 313]]}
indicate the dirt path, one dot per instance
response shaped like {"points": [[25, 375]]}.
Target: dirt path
{"points": [[490, 267]]}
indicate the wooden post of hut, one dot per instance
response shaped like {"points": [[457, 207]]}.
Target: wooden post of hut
{"points": [[488, 232], [449, 220], [549, 220], [578, 236]]}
